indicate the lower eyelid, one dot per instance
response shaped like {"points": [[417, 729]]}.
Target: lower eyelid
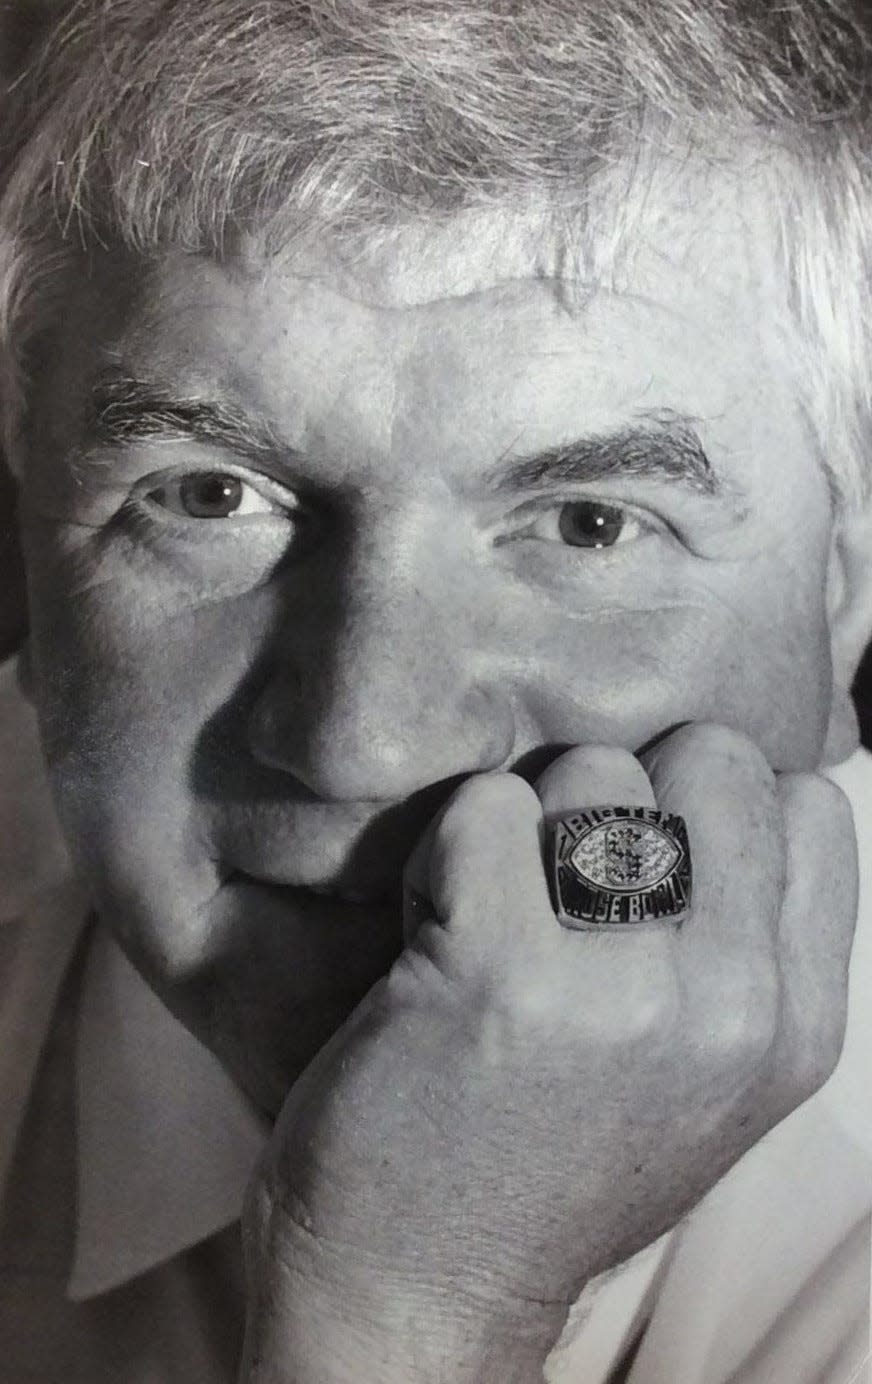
{"points": [[150, 521]]}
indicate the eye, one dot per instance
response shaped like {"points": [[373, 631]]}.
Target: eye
{"points": [[591, 524], [586, 522], [212, 495]]}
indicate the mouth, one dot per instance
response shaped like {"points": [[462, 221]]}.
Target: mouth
{"points": [[382, 896]]}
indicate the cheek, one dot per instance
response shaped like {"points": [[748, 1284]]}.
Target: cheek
{"points": [[127, 648], [621, 679], [787, 680], [628, 678], [124, 689]]}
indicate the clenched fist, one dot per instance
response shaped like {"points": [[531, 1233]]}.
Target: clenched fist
{"points": [[516, 1106]]}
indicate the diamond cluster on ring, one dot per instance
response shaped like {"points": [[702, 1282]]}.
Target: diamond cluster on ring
{"points": [[620, 866]]}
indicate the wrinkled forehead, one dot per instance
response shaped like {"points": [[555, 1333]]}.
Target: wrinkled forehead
{"points": [[711, 222], [696, 217], [681, 242]]}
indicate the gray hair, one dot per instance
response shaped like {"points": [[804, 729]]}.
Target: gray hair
{"points": [[149, 123]]}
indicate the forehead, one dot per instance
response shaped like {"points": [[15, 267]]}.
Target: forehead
{"points": [[490, 326]]}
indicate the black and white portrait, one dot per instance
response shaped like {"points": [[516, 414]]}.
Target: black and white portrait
{"points": [[435, 578]]}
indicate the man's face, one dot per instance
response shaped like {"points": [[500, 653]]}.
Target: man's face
{"points": [[426, 519]]}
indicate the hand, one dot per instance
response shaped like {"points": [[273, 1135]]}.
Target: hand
{"points": [[517, 1107]]}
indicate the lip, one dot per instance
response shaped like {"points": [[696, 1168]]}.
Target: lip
{"points": [[347, 894]]}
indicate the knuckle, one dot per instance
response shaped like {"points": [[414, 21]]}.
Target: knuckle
{"points": [[821, 839], [812, 793], [603, 1008], [651, 1011], [803, 1077], [825, 1053], [712, 740], [644, 1001], [480, 804], [812, 1043], [600, 762], [489, 795], [521, 1005], [742, 1023]]}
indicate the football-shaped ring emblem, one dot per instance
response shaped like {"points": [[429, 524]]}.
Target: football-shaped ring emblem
{"points": [[616, 867]]}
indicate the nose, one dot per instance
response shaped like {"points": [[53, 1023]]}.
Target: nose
{"points": [[383, 688]]}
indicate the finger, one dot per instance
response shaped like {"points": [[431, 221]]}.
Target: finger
{"points": [[722, 786], [585, 776], [485, 861], [817, 922], [593, 776]]}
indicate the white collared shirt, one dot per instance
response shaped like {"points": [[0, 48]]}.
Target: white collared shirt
{"points": [[767, 1282]]}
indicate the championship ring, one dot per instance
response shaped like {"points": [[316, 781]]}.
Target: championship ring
{"points": [[614, 867]]}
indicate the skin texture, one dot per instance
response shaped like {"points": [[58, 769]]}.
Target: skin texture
{"points": [[236, 708], [557, 1100]]}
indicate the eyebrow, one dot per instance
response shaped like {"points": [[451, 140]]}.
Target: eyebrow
{"points": [[122, 410], [663, 447]]}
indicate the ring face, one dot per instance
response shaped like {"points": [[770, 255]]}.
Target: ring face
{"points": [[619, 866]]}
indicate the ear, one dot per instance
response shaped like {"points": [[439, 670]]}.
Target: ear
{"points": [[849, 614]]}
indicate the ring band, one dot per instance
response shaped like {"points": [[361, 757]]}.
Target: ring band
{"points": [[616, 867]]}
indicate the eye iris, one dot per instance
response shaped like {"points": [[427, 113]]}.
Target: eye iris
{"points": [[586, 524], [214, 495]]}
